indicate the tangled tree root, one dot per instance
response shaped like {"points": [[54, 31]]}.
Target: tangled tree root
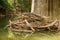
{"points": [[34, 23]]}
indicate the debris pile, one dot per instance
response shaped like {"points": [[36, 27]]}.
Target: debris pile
{"points": [[30, 22]]}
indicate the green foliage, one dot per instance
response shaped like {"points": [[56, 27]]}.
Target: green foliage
{"points": [[25, 5], [4, 3]]}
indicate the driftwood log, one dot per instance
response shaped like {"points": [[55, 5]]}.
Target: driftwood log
{"points": [[33, 23]]}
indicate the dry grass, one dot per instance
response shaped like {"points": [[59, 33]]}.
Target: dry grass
{"points": [[29, 36]]}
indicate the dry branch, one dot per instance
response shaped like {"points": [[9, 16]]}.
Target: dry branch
{"points": [[38, 15], [29, 25], [15, 30], [51, 24]]}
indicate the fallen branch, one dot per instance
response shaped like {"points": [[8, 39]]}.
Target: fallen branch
{"points": [[49, 24], [38, 15], [29, 25], [15, 30]]}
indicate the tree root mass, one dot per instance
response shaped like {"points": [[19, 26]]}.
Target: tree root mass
{"points": [[30, 22]]}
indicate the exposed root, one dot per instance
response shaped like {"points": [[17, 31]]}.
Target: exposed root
{"points": [[33, 22]]}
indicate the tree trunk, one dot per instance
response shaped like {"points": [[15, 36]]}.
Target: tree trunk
{"points": [[39, 7], [32, 6]]}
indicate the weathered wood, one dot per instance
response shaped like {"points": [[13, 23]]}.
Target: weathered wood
{"points": [[29, 25], [49, 25], [33, 22], [40, 15], [15, 30]]}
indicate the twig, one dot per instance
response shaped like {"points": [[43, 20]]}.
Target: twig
{"points": [[10, 23]]}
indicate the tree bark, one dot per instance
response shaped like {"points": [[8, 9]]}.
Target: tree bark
{"points": [[32, 6]]}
